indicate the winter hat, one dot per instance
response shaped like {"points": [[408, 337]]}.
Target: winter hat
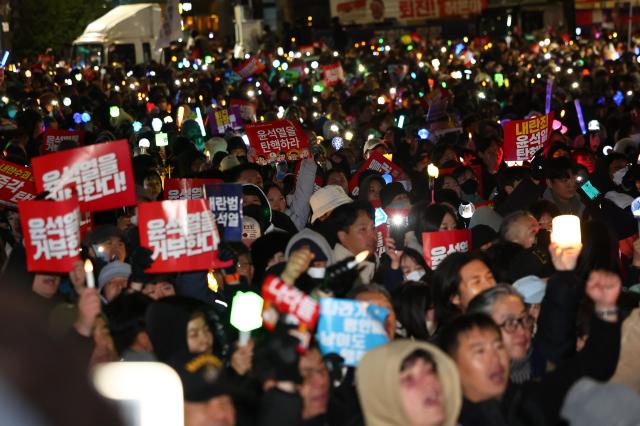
{"points": [[229, 162], [371, 144], [531, 288], [200, 377], [316, 243], [326, 199], [378, 384], [113, 270], [215, 145], [591, 403], [486, 216], [389, 192]]}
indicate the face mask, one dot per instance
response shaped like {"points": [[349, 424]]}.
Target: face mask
{"points": [[134, 220], [617, 176], [317, 273], [469, 186], [415, 275]]}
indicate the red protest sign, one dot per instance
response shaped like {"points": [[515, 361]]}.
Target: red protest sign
{"points": [[250, 67], [277, 141], [378, 163], [53, 137], [332, 74], [16, 184], [438, 245], [51, 232], [101, 175], [523, 138], [287, 299], [186, 189], [247, 109], [181, 233]]}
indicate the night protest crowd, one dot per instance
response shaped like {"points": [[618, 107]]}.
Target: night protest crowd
{"points": [[506, 325]]}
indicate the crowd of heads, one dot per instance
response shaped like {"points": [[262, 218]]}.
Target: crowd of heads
{"points": [[481, 329]]}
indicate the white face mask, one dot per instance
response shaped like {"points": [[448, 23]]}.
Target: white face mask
{"points": [[134, 220], [617, 176], [317, 273], [414, 275]]}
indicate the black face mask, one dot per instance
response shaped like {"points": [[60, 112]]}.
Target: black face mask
{"points": [[469, 186]]}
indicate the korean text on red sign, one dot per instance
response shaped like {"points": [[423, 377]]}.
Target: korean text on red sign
{"points": [[250, 67], [523, 138], [16, 184], [350, 328], [376, 162], [438, 245], [281, 298], [332, 74], [51, 232], [52, 138], [186, 189], [100, 175], [278, 140], [181, 234]]}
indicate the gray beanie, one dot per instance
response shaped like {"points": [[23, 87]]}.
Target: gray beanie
{"points": [[316, 243], [590, 403], [113, 270]]}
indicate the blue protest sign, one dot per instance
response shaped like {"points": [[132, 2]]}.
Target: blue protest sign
{"points": [[225, 201], [350, 328]]}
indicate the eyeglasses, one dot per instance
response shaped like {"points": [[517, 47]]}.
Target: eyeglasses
{"points": [[511, 325]]}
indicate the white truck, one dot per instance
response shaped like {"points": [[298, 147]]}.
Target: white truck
{"points": [[126, 34]]}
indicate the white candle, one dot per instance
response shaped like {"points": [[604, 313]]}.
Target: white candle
{"points": [[88, 270], [566, 231]]}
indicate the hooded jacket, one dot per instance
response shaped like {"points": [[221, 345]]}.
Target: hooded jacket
{"points": [[310, 235], [378, 383]]}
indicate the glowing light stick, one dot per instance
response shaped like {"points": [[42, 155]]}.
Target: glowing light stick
{"points": [[246, 314]]}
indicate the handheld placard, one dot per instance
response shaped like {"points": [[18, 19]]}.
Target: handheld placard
{"points": [[246, 314]]}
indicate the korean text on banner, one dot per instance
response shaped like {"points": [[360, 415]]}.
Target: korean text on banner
{"points": [[225, 202], [438, 245], [186, 189], [52, 138], [350, 328], [250, 67], [181, 234], [376, 162], [222, 119], [332, 74], [101, 175], [16, 184], [281, 298], [51, 232], [523, 138], [278, 140]]}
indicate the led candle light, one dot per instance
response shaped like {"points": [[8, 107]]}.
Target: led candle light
{"points": [[433, 173], [246, 314], [148, 393], [566, 231], [360, 257], [88, 270]]}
